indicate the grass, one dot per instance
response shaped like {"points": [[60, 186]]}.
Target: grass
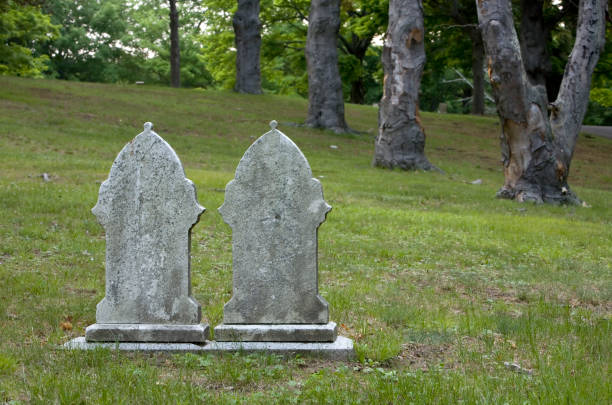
{"points": [[437, 282]]}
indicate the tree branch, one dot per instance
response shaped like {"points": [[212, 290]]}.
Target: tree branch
{"points": [[567, 111]]}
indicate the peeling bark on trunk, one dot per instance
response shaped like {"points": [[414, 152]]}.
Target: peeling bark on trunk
{"points": [[325, 101], [248, 43], [537, 149], [401, 137], [478, 99], [175, 53]]}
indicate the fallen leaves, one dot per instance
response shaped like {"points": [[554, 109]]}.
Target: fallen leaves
{"points": [[66, 324]]}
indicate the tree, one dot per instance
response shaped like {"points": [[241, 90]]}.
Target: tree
{"points": [[22, 28], [125, 41], [453, 16], [284, 69], [175, 52], [537, 148], [149, 42], [325, 102], [533, 37], [284, 27], [87, 47], [401, 137], [248, 43], [478, 91], [362, 20], [600, 102], [545, 38]]}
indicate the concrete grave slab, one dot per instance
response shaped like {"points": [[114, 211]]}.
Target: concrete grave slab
{"points": [[339, 350]]}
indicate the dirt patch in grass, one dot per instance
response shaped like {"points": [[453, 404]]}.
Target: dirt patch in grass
{"points": [[49, 94], [484, 293], [5, 257], [10, 105], [513, 296], [422, 356], [296, 371], [507, 296], [82, 291]]}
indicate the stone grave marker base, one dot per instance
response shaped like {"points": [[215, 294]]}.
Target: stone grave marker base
{"points": [[276, 333], [131, 332], [341, 349]]}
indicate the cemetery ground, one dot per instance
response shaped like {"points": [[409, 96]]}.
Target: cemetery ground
{"points": [[449, 294]]}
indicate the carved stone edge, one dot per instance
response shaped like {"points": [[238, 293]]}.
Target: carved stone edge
{"points": [[340, 350], [276, 333], [130, 332]]}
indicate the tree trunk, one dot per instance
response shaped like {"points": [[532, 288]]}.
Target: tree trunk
{"points": [[358, 91], [401, 138], [478, 92], [248, 43], [175, 52], [358, 48], [533, 37], [536, 149], [325, 102]]}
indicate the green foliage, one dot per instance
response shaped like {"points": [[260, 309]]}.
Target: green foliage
{"points": [[22, 28], [284, 29], [597, 112], [123, 41], [447, 46], [88, 45], [602, 96], [8, 364], [283, 43], [363, 18], [218, 41], [361, 22], [283, 64], [150, 38]]}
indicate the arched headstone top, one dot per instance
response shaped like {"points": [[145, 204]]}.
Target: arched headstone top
{"points": [[152, 163], [274, 169]]}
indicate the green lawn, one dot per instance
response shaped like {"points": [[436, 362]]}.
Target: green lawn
{"points": [[437, 282]]}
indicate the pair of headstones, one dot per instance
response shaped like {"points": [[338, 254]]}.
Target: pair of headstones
{"points": [[274, 208]]}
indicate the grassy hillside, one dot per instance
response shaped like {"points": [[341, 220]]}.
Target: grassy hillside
{"points": [[438, 283]]}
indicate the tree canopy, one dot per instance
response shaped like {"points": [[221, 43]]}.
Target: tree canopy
{"points": [[24, 27], [129, 40]]}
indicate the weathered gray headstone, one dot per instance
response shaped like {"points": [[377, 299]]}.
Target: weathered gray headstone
{"points": [[147, 208], [274, 208]]}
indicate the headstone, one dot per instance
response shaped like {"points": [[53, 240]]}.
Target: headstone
{"points": [[274, 208], [147, 208]]}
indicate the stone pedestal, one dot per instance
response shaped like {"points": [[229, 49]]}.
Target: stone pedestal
{"points": [[147, 333], [276, 333]]}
